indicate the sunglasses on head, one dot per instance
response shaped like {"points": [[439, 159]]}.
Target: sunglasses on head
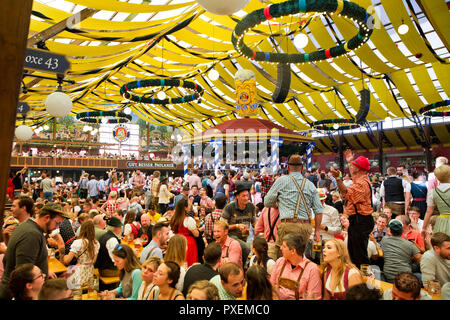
{"points": [[119, 247]]}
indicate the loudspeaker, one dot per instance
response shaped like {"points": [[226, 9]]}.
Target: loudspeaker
{"points": [[364, 107], [283, 83]]}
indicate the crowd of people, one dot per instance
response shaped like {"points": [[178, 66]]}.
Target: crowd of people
{"points": [[67, 153], [298, 235]]}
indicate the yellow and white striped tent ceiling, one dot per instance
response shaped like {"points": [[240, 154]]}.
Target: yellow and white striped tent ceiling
{"points": [[131, 40]]}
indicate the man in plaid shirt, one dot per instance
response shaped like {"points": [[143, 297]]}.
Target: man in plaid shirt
{"points": [[266, 182], [221, 202], [358, 206]]}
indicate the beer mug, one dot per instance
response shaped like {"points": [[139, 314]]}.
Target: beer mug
{"points": [[138, 243], [434, 287], [77, 293], [51, 254], [365, 269], [317, 246]]}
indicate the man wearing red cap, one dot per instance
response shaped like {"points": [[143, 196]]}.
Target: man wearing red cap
{"points": [[358, 206]]}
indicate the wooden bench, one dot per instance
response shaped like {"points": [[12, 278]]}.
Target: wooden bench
{"points": [[106, 280]]}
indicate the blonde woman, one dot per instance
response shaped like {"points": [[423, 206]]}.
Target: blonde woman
{"points": [[148, 270], [337, 201], [203, 290], [176, 252], [339, 272]]}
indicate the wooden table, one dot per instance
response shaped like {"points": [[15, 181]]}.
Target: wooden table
{"points": [[383, 286], [56, 266], [93, 296]]}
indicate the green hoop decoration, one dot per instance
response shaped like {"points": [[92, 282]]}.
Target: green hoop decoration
{"points": [[98, 116], [426, 111], [344, 8], [345, 124], [125, 90]]}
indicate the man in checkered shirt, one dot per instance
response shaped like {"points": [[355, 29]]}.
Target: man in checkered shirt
{"points": [[266, 182]]}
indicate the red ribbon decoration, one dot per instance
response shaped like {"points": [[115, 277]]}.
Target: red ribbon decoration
{"points": [[267, 13]]}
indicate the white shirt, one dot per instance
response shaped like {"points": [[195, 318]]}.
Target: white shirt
{"points": [[190, 223], [406, 187], [442, 187], [269, 265], [342, 288], [330, 218], [110, 246]]}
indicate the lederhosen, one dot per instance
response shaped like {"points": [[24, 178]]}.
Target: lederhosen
{"points": [[291, 284]]}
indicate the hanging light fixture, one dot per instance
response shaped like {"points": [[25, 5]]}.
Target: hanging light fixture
{"points": [[301, 40], [213, 75], [403, 28], [335, 126], [46, 127], [23, 133], [161, 95], [127, 110], [58, 103]]}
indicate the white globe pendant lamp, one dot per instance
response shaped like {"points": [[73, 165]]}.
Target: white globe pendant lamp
{"points": [[301, 40], [127, 110], [213, 75], [23, 133], [403, 28], [335, 126], [223, 7], [58, 104], [161, 95]]}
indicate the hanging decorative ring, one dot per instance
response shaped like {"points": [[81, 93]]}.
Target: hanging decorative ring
{"points": [[98, 116], [340, 7], [344, 124], [125, 90], [426, 111]]}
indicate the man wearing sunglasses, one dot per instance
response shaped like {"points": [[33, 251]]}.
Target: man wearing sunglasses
{"points": [[28, 244]]}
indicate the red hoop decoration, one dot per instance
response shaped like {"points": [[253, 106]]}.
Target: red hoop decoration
{"points": [[267, 13]]}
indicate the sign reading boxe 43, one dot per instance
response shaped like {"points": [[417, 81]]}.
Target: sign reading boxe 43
{"points": [[46, 61]]}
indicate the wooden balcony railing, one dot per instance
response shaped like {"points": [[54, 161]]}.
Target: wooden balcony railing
{"points": [[91, 163]]}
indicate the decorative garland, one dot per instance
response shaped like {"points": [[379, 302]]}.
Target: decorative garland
{"points": [[98, 116], [322, 124], [124, 90], [426, 111], [340, 7]]}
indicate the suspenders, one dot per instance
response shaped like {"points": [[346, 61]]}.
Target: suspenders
{"points": [[301, 197], [291, 284], [272, 226]]}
